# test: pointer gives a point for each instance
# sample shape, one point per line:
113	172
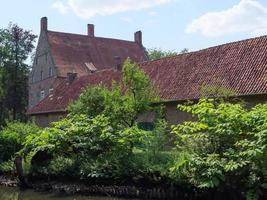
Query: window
42	75
46	58
50	72
42	94
51	90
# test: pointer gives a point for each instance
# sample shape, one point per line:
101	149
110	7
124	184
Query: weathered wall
175	116
44	120
172	114
43	76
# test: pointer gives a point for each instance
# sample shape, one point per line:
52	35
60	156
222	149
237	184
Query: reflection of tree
15	194
9	194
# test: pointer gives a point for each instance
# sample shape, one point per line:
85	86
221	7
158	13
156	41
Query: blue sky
166	24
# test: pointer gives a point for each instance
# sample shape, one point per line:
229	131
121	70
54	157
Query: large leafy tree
16	45
123	102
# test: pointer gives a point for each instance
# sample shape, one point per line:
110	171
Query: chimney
44	24
117	63
71	76
138	37
91	30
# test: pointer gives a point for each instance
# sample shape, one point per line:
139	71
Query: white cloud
60	6
90	8
247	16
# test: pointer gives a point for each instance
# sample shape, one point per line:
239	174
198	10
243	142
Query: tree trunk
19	169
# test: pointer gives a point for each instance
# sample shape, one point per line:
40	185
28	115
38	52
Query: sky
166	24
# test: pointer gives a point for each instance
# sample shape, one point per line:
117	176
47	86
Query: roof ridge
205	49
86	36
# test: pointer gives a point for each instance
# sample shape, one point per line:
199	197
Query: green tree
123	102
16	45
100	131
155	53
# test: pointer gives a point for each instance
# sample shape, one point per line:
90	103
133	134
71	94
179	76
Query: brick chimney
91	30
44	24
138	37
117	63
71	77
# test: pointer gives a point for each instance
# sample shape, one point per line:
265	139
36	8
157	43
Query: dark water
15	194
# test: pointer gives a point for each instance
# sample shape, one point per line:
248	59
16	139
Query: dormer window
90	66
51	90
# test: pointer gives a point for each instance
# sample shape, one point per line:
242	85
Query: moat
7	193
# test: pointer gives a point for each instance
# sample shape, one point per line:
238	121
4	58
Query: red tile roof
239	66
71	52
66	92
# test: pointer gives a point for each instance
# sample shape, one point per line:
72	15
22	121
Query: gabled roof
67	92
240	67
71	52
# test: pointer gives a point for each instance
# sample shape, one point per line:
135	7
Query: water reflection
16	194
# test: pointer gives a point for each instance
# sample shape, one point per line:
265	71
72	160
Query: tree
16	45
155	54
123	102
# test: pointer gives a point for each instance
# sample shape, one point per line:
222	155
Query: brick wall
44	75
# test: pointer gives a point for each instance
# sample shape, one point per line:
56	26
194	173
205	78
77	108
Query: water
15	194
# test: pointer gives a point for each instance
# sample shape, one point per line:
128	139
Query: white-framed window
50	72
42	94
51	90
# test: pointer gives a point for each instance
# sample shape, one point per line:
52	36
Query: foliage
7	167
16	45
62	166
155	54
123	102
100	130
226	147
12	138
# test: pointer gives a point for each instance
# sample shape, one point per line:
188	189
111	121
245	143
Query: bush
7	167
226	147
62	166
12	137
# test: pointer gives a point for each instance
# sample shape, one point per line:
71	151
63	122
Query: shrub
7	167
12	137
227	147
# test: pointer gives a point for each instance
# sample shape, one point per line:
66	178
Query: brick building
61	54
240	67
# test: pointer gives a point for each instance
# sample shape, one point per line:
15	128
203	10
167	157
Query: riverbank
78	188
8	181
